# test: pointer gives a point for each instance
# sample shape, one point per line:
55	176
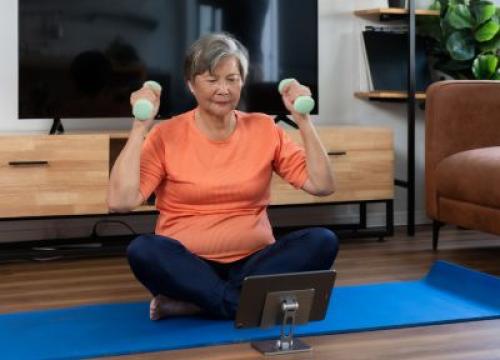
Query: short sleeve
289	160
152	163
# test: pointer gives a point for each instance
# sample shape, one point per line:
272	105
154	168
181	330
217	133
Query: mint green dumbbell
302	104
143	108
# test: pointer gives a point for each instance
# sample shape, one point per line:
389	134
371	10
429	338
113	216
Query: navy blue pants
164	266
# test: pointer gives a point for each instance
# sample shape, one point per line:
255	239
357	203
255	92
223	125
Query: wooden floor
42	285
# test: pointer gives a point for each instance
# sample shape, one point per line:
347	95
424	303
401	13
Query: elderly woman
211	169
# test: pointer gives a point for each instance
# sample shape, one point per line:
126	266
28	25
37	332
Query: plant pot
397	3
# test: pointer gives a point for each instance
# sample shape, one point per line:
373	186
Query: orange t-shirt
212	195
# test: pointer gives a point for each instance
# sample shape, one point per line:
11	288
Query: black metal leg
57	127
411	119
389	217
362	215
436	225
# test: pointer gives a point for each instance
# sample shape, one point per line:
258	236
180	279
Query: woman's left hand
290	92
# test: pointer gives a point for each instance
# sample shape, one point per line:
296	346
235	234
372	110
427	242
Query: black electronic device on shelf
386	54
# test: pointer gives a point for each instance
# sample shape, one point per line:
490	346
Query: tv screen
82	59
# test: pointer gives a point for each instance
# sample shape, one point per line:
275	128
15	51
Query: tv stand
67	176
286	120
57	127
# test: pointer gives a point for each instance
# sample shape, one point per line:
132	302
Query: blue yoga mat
449	293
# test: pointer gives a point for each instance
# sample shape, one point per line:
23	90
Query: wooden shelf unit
411	97
387	95
394	11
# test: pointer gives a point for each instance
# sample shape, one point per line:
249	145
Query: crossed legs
183	283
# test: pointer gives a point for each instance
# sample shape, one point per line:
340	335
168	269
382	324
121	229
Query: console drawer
42	175
363	162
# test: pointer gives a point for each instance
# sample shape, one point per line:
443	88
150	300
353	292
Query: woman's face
219	93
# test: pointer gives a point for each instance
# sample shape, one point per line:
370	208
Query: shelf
408	16
387	95
394	11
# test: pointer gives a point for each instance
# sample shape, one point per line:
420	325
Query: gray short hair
207	51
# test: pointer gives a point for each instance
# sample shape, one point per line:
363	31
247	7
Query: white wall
340	59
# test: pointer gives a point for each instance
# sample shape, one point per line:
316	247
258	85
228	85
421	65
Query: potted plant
465	38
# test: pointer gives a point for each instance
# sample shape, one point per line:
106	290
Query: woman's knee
144	248
325	242
137	249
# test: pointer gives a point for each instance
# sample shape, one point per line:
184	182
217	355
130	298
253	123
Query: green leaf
459	17
487	31
492	45
482	10
460	45
446	29
497	75
484	66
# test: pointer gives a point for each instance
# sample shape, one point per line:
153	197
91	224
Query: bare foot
162	306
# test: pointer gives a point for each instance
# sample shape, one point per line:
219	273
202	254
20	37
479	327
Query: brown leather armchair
462	155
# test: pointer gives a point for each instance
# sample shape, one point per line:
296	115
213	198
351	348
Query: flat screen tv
82	59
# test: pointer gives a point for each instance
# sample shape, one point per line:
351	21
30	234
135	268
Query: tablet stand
288	308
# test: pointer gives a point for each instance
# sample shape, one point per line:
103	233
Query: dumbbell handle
302	104
143	108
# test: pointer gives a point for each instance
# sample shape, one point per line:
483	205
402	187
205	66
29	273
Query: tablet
314	288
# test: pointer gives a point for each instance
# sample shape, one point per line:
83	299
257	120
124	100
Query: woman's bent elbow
119	205
123	200
115	207
326	191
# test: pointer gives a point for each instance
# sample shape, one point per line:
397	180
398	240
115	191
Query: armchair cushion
471	176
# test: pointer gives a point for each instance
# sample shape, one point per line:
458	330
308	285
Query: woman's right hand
148	93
